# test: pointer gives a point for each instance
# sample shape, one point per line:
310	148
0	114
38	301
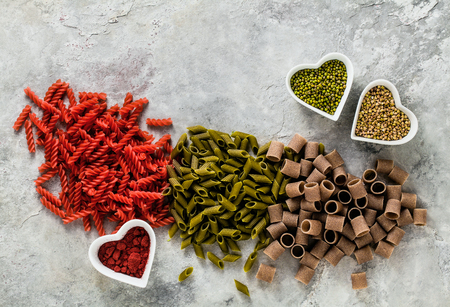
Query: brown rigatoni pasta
359	281
315	176
408	200
405	218
362	202
394	191
311	150
378	188
420	217
356	188
274	250
386	223
335	159
322	164
295	189
392	211
330	236
290	168
327	189
297	251
266	273
344	197
319	249
370	216
290	219
300	237
339	176
275	213
358	222
348	231
398	175
384	249
377	232
384	166
375	202
333	207
275	151
395	235
335	222
363	255
311	227
287	240
369	176
306	168
334	255
293	204
364	240
346	246
276	230
297	143
312	192
304	274
303	214
309	260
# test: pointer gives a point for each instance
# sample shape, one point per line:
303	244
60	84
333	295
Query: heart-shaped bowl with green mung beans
322	87
381	118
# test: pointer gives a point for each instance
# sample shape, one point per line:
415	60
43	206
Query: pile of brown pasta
330	213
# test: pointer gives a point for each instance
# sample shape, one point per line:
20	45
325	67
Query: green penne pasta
202	136
268	199
242	237
224	223
197	143
173	230
226	232
210	240
248	218
266	171
219	173
197	129
261	245
237	141
249	183
226	189
227	215
194	150
177	167
262	236
228	141
241	135
186	242
239	198
232	245
186	273
200	190
285	181
321	149
275	189
191	205
197	219
251	192
213	210
171	172
261	158
201	234
205	153
263	149
289	153
184	235
226	203
180	198
208	159
235	191
187	156
244	144
231	257
260	179
229	169
176	184
256	205
167	191
203	172
209	183
180	210
194	162
205	201
242	288
238	153
256	166
216	260
194	229
178	220
264	190
198	249
241	213
217	138
214	226
243	229
250	261
191	176
253	143
234	162
222	243
228	178
253	222
185	170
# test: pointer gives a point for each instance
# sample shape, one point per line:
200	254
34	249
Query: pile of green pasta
221	193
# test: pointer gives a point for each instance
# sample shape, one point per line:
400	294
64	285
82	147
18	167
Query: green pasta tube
248	218
253	143
213	159
252	184
244	144
226	203
217	138
242	228
191	205
241	135
219	154
231	258
176	184
222	243
230	169
171	172
219	173
234	162
227	215
178	220
321	149
187	156
210	240
241	213
224	223
210	183
184	235
259	227
228	178
201	234
187	184
179	209
167	191
196	220
177	167
289	153
191	176
214	226
185	170
185	274
264	190
238	153
263	179
237	141
250	261
226	232
246	170
198	249
266	171
285	181
253	222
268	199
228	141
261	245
251	192
202	136
256	205
242	288
205	153
242	237
235	191
194	229
263	149
213	210
173	230
194	162
203	172
194	150
256	166
180	198
233	245
239	198
186	242
204	201
197	129
197	143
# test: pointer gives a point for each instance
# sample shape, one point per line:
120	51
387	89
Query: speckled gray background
222	65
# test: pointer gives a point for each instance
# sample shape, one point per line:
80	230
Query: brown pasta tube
393	207
398	175
335	222
319	249
287	240
354	212
266	273
408	200
275	151
420	217
386	223
293	204
304	274
333	207
275	213
336	191
295	189
276	230
315	206
364	240
326	190
274	250
394	192
384	166
344	210
300	237
362	202
344	197
320	216
375	202
378	187
370	216
290	168
330	236
297	251
303	214
297	143
335	159
359	281
356	188
322	164
395	235
339	176
345	245
369	176
311	150
334	255
316	176
290	219
363	255
311	227
306	168
348	231
312	191
309	260
350	177
377	232
405	218
384	249
359	224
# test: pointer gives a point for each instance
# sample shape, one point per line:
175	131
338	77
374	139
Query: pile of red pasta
108	167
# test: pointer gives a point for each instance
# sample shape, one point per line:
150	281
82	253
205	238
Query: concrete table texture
223	65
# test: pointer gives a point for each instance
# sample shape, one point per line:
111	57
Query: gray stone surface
222	65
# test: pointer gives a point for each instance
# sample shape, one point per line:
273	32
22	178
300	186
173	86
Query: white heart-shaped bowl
398	105
328	57
95	246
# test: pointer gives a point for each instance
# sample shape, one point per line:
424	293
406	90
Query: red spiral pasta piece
22	117
52	207
121	198
30	139
75	216
41	126
158	122
147	195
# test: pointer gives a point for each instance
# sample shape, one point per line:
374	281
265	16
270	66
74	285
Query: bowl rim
95	246
330	56
412	117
